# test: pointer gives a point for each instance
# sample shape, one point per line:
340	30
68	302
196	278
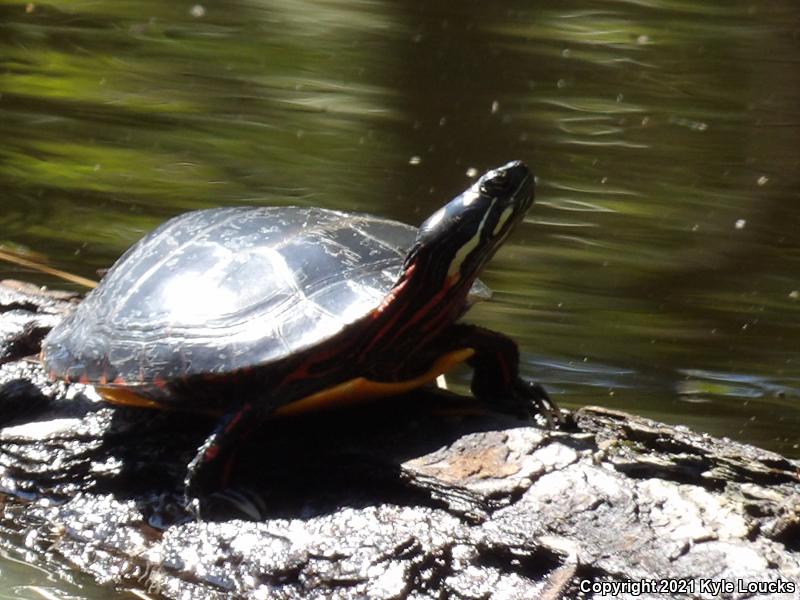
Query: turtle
254	312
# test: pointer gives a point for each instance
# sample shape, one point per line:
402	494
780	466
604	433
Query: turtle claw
240	503
537	402
192	506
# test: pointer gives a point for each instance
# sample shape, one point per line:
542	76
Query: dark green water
659	271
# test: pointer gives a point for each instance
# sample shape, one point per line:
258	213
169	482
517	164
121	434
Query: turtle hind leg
211	467
496	379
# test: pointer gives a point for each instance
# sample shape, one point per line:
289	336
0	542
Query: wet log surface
417	497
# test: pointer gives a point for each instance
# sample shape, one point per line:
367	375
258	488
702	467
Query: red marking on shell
303	370
118	380
103	379
84	379
320	361
53	375
160	382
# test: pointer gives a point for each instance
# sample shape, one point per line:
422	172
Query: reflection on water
659	270
21	581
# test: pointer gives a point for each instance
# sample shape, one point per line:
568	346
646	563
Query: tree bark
424	496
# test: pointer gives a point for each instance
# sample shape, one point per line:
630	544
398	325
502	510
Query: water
21	581
658	272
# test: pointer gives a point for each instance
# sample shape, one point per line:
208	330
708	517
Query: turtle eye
499	183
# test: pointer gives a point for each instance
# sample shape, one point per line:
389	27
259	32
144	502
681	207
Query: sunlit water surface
657	273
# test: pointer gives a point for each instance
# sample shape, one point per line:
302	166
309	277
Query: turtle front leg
496	379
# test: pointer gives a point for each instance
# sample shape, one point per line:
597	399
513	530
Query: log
424	496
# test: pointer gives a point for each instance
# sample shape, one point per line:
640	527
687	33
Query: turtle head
455	242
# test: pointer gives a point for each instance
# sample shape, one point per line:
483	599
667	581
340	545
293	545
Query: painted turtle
252	312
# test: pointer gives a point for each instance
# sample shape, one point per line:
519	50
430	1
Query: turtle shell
215	291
